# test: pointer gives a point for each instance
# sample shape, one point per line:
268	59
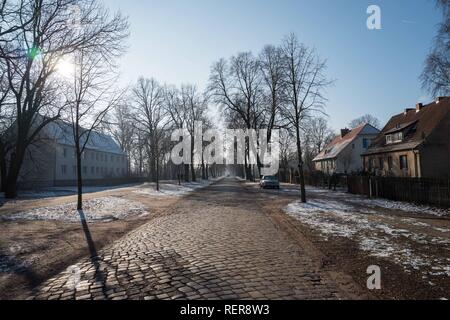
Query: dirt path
216	243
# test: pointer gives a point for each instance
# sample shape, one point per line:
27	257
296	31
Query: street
215	244
221	239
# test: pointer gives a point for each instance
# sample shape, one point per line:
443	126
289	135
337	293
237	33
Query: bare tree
47	38
271	63
320	133
436	74
120	125
236	87
89	98
366	119
149	116
195	108
305	82
7	118
175	108
9	11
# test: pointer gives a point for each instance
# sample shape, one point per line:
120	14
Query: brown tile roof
416	125
339	143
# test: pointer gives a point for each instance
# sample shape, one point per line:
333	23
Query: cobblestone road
215	244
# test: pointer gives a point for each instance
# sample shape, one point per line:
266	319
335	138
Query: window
96	156
366	143
390	164
84	170
372	164
74	170
381	163
64	152
112	158
394	138
64	169
97	170
92	170
403	162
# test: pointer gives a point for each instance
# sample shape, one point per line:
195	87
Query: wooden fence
422	191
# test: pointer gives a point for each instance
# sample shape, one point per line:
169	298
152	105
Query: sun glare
65	68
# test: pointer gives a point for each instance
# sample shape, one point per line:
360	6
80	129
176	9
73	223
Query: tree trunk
194	178
3	172
79	182
13	172
157	172
186	173
203	169
300	167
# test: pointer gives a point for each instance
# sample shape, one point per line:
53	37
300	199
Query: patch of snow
99	209
379	203
173	189
340	219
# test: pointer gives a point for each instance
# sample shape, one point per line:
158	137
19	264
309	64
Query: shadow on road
95	259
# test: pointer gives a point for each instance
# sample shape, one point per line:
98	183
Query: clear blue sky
377	71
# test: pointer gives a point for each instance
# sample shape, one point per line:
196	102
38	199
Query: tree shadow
95	259
10	264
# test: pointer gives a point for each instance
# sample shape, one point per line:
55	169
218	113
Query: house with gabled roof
343	153
414	143
51	160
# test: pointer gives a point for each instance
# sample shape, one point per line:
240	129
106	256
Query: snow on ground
376	203
173	189
376	234
100	209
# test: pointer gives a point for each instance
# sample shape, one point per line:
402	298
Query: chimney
419	107
439	99
407	110
344	132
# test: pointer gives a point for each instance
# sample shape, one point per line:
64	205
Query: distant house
415	143
343	154
51	160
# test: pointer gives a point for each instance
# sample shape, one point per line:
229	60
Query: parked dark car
269	182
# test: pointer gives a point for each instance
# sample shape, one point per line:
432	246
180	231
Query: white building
343	154
51	161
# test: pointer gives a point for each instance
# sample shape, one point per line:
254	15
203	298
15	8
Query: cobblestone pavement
215	244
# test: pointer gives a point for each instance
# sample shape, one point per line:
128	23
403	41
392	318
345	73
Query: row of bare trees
143	124
281	88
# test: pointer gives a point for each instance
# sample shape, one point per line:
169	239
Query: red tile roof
425	121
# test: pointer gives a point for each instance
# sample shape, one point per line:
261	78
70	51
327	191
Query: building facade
51	161
415	143
343	154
